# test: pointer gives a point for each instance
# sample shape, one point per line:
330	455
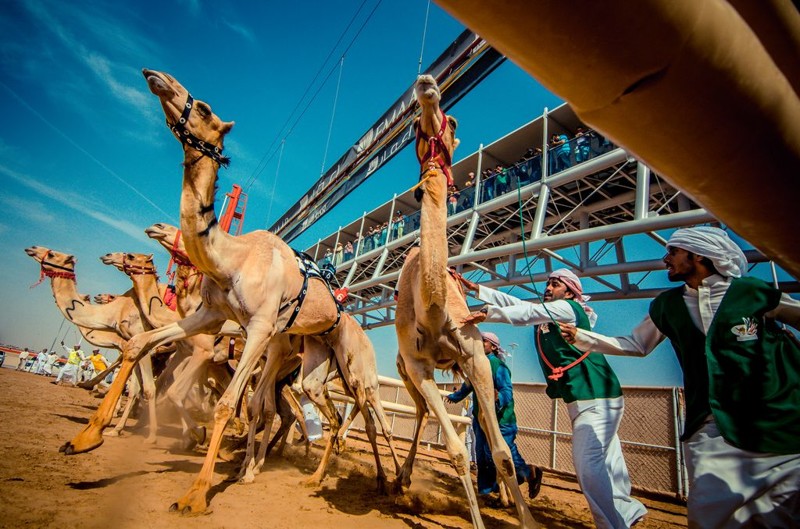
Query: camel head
102	299
427	91
52	261
166	234
130	263
191	120
436	133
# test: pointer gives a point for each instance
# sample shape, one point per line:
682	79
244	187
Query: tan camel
254	279
318	366
191	352
120	316
430	309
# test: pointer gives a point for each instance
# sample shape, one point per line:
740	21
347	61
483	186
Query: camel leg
403	479
316	364
134	390
179	390
247	473
202	321
149	396
352	352
288	416
259	333
422	377
479	372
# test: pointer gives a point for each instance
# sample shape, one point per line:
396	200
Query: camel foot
401	483
246	478
382	490
85	441
340	445
192	503
150	440
112	433
313	481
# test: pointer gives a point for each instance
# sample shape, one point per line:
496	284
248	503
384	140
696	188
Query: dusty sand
126	483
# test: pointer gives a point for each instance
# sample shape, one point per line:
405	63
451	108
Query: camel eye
50	254
129	256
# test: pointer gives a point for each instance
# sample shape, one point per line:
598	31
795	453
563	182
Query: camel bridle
187	138
438	153
136	270
66	273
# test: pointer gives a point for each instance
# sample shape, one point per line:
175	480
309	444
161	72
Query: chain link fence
648	432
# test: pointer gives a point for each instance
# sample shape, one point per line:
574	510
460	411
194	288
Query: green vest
591	379
745	372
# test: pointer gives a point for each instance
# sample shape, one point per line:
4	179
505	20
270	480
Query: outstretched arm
504	308
787	311
641	342
461	393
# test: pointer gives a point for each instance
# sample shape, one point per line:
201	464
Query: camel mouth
156	82
427	87
106	259
31	251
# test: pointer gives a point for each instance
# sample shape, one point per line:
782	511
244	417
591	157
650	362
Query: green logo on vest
746	331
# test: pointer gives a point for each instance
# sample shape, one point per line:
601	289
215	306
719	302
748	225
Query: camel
254	279
194	352
318	367
120	317
430	309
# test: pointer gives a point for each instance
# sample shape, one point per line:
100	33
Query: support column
642	191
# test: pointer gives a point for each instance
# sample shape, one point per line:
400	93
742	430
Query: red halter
438	155
43	272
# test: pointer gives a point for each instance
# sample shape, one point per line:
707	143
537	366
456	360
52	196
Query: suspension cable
333	115
275	181
424	33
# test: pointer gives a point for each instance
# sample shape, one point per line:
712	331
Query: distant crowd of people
73	368
563	153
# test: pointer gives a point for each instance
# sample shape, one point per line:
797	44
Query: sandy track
127	484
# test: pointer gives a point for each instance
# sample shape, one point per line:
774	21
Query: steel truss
600	217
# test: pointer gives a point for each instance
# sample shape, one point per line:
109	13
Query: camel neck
199	227
433	239
71	303
149	298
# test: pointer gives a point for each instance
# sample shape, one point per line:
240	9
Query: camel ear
456	143
416	122
227	126
150	257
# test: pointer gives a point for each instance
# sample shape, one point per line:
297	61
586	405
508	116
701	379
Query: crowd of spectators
563	153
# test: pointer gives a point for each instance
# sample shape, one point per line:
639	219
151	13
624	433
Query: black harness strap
309	269
187	138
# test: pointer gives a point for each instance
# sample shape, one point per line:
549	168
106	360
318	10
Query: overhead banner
463	65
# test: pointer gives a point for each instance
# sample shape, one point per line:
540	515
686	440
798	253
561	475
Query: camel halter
440	156
135	270
557	372
44	272
187	138
309	269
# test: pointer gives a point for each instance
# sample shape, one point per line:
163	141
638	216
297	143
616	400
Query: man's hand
62	342
447	400
568	332
469	286
475	318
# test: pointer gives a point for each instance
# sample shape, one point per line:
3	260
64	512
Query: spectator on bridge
507	419
327	258
583	145
500	180
338	255
741	378
587	384
452	199
559	153
348	251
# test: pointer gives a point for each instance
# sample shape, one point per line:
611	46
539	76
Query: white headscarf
713	243
573	283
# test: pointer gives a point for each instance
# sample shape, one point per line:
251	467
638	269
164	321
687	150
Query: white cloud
242	31
76	202
33	211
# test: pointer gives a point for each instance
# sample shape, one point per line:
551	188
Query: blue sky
86	161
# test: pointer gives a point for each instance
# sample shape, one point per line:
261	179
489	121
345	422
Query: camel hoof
173	507
187	510
382	486
312	482
151	440
201	437
63	448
